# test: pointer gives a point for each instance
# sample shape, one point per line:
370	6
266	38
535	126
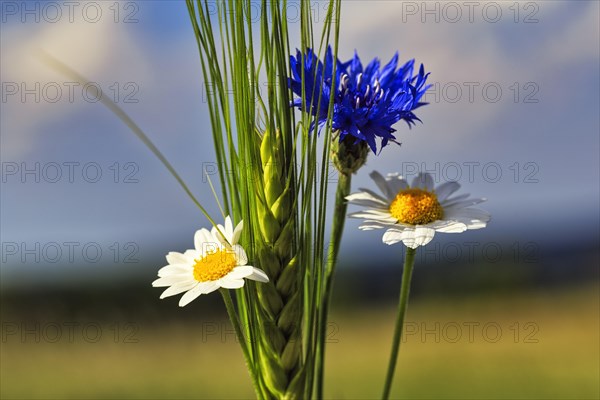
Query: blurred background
87	213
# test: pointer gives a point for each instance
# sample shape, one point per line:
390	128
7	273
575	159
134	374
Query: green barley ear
280	342
347	155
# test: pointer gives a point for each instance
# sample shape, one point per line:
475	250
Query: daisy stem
339	217
409	262
241	338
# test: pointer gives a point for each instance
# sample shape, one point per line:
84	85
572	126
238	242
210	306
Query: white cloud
479	51
94	49
576	42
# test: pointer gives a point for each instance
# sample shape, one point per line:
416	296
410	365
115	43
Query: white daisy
414	213
217	261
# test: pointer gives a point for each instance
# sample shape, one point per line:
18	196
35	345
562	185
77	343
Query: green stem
409	262
339	217
242	339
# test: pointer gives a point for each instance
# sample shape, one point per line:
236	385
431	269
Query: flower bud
349	154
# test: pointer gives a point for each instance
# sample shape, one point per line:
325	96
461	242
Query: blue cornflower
367	101
318	80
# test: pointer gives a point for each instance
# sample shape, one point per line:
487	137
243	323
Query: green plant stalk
409	262
241	338
284	207
339	218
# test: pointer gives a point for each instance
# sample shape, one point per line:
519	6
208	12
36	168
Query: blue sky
540	133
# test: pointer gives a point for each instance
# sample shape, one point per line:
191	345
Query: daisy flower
367	101
217	261
412	214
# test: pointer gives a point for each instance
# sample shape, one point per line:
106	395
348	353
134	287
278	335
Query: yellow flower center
214	265
416	207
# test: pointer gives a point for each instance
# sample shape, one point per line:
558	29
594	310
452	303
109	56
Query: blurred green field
534	344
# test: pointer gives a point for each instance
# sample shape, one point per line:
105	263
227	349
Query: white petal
384	220
423	181
371	217
472	213
201	237
367	195
190	295
176	258
210	246
208	287
192	256
370	204
220	233
374	195
448	226
455	199
424	235
370	225
420	236
396	224
473	218
172	280
240	254
174	269
382	185
396	183
476	224
392	236
446	189
374	216
382	212
230	283
179	288
462	203
241	272
228	228
258	275
237	232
